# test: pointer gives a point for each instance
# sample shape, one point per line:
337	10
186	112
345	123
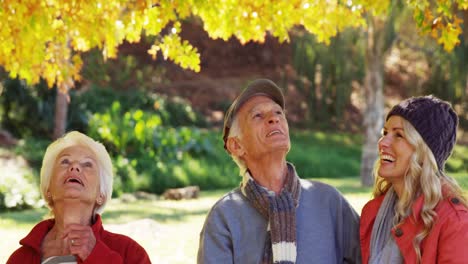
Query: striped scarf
280	212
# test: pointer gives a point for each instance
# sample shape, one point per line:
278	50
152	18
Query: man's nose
273	118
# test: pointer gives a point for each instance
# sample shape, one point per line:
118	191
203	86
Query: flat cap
258	87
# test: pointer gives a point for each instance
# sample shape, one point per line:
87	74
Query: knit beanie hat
435	121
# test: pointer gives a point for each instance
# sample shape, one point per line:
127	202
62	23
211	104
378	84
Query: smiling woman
418	214
76	183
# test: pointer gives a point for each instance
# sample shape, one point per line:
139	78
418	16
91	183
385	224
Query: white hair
235	131
75	138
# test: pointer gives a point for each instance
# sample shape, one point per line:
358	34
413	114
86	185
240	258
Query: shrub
172	111
25	110
18	188
148	155
32	149
458	161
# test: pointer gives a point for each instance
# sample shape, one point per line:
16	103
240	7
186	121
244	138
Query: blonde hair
104	162
422	178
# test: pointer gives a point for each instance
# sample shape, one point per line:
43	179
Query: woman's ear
100	200
49	198
234	146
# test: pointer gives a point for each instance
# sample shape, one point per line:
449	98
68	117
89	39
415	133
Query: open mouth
387	158
74	180
274	132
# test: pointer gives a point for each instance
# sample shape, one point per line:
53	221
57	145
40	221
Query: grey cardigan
327	229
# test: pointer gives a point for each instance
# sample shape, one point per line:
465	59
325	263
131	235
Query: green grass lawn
171	231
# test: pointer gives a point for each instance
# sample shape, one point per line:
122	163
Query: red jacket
446	243
110	247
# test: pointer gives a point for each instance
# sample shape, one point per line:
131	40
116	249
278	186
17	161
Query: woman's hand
81	240
54	247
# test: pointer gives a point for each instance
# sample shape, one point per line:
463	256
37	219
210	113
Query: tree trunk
61	112
373	94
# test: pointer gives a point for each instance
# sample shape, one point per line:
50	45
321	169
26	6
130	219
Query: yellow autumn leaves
45	38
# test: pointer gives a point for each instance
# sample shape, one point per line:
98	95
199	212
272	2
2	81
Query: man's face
264	128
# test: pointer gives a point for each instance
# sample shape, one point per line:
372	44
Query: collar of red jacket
37	234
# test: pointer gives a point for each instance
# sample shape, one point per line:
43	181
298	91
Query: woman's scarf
280	212
383	249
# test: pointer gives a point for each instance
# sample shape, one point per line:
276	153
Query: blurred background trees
161	122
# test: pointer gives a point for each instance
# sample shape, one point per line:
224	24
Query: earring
99	201
48	195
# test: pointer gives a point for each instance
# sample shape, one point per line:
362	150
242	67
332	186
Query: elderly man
274	216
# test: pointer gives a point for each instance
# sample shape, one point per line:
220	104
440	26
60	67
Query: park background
161	122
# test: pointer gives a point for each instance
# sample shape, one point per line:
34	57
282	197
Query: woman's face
75	175
394	151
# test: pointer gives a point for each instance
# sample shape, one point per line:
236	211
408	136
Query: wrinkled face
394	150
75	175
263	126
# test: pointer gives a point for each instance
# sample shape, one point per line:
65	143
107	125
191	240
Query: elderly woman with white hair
76	183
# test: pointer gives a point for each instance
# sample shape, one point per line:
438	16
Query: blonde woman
418	214
76	182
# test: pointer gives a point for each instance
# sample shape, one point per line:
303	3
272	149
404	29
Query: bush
32	149
18	188
26	110
458	161
19	183
148	155
172	111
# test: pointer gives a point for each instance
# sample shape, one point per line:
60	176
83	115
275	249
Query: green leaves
148	152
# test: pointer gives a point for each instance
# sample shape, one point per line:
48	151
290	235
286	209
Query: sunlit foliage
440	20
437	18
45	38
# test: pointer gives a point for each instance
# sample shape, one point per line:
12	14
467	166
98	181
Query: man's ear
234	146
